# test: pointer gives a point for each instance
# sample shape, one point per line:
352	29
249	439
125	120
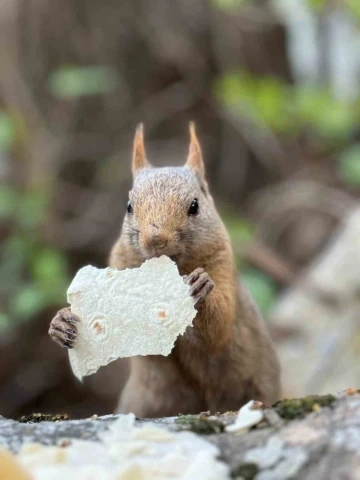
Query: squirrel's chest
196	363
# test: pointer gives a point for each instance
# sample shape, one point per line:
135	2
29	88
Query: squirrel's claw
63	328
200	284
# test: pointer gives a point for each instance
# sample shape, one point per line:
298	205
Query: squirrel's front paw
200	285
63	328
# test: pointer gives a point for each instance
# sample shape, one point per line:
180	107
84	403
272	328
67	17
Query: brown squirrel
227	357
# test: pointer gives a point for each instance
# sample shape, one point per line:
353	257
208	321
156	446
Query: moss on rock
246	471
200	424
290	409
41	417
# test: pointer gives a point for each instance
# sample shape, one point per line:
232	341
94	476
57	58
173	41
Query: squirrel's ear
195	160
139	160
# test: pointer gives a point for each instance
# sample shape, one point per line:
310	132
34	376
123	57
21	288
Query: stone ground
324	444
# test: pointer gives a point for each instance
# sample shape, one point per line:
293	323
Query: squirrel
227	358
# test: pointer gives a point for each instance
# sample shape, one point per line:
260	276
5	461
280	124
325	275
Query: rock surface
323	444
319	318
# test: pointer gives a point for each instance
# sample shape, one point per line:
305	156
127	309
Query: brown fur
227	357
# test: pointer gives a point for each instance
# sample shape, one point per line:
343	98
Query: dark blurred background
273	87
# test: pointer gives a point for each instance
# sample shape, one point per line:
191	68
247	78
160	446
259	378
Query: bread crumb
249	415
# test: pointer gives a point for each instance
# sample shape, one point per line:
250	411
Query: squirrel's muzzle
154	240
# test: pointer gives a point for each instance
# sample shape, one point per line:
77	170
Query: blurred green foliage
286	109
229	4
73	81
240	229
263	289
352	6
33	275
317	6
7	132
349	165
290	112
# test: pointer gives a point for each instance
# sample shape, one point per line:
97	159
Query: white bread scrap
248	416
124	313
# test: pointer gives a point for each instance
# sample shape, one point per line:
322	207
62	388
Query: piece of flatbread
124	313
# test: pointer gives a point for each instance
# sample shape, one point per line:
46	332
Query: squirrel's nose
157	241
161	242
155	238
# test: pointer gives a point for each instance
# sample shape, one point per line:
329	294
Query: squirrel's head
170	211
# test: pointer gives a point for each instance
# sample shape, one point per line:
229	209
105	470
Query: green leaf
349	165
9	200
4	320
17	246
239	229
27	302
71	81
288	109
7	132
354	7
16	251
261	287
11	271
317	4
317	108
263	99
49	270
229	5
32	209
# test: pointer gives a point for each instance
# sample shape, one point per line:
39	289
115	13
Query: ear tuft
195	160
139	155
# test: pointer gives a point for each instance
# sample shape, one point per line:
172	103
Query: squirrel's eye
194	207
129	207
